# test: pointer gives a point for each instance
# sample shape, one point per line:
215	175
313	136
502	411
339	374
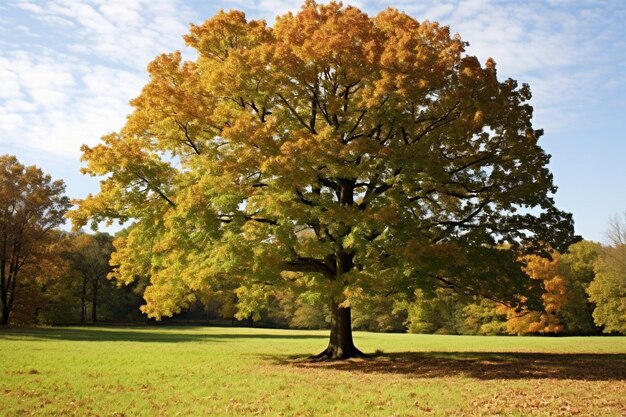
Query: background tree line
72	287
48	275
56	277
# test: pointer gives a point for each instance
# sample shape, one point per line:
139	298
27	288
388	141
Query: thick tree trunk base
336	353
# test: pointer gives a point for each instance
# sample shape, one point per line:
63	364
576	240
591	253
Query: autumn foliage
32	205
554	299
333	151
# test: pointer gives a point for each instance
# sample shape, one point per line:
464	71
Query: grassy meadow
196	371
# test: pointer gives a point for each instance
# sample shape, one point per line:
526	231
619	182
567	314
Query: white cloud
29	6
124	32
20	106
9	84
73	85
26	30
42	79
63	101
11	122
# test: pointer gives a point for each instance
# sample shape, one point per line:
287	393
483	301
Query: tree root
335	353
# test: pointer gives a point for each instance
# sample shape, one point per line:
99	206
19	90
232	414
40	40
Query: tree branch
156	190
189	141
440	121
308	265
295	113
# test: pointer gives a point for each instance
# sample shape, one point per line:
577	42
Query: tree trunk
83	304
5	312
340	345
4	287
94	300
8	298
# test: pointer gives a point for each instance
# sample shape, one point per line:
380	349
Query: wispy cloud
73	83
56	99
29	7
127	32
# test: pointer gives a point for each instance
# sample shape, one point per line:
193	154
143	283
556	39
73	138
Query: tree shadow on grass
479	365
135	334
101	335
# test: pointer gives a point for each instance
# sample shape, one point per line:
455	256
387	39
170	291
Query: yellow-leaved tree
334	151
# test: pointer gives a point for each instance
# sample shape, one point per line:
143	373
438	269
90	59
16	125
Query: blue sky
69	67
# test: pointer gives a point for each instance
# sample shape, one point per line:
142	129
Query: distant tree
295	307
31	207
484	317
440	313
363	153
119	303
576	266
309	316
608	288
89	257
378	313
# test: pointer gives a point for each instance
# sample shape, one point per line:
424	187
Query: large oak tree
344	153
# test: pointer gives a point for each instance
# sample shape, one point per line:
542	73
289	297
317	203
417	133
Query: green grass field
189	371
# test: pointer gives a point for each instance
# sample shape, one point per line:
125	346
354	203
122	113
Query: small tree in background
89	258
577	267
31	207
608	288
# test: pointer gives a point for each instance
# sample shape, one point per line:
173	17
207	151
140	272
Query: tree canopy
336	151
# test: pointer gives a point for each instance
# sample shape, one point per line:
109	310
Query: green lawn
170	371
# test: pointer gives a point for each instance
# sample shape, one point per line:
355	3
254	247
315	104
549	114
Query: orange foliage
555	299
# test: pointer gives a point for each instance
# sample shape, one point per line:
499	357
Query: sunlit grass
148	371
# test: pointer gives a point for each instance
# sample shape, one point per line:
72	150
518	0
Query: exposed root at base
334	353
